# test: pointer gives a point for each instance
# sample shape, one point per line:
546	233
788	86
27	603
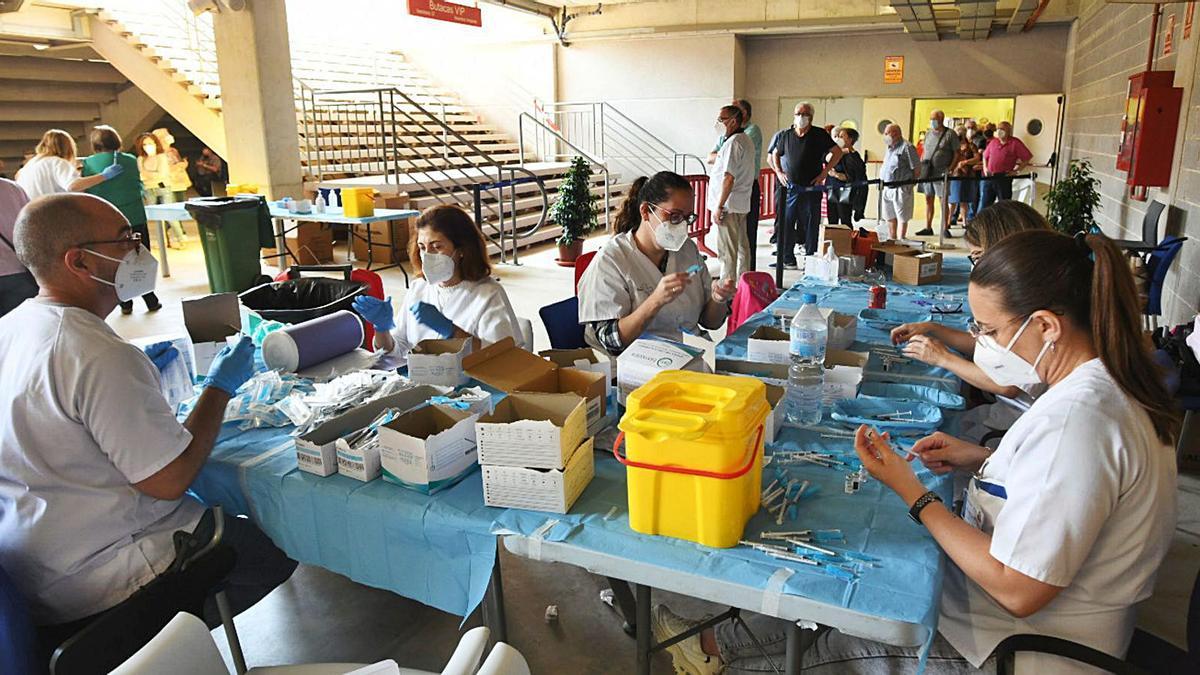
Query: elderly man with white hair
900	163
938	153
798	156
94	466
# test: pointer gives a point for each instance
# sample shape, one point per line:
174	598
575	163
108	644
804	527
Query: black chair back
120	632
1150	223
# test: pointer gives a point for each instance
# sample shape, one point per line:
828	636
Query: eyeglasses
131	239
974	257
677	218
947	308
978	331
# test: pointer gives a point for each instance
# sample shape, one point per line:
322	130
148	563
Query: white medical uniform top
479	307
1080	494
621	277
736	158
84	419
46	175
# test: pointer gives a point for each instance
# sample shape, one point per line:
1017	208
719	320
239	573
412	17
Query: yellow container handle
721	475
662	422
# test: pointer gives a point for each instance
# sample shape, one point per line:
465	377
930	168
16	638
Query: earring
1053	343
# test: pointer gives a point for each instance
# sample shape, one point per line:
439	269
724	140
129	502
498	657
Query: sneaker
152	303
127	307
927	232
686	656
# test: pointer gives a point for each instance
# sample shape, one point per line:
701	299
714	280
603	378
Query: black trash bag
298	300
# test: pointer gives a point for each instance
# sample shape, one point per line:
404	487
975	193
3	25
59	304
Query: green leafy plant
1071	204
574	207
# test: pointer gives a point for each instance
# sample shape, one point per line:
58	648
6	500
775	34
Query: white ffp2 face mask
802	121
436	267
670	237
136	275
1004	366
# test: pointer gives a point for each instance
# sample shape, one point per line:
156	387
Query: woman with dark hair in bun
649	278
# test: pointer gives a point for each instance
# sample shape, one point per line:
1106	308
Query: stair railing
399	137
627	147
549	145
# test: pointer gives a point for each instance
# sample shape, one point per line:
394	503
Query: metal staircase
600	130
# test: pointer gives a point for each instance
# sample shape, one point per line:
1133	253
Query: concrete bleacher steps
174	57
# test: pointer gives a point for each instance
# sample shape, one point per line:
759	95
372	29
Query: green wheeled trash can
230	234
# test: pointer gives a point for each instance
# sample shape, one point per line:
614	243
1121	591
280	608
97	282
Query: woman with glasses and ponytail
649	278
1064	526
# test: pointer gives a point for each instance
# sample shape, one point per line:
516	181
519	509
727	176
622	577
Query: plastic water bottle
806	376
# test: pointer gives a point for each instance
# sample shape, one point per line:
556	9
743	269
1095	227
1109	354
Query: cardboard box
316	451
770	373
916	269
769	344
553	490
428	449
361	463
843	329
210	320
646	357
842	239
440	361
389	242
532	430
777	398
510	369
843	374
311	243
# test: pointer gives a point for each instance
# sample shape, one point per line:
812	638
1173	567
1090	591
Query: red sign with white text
446	11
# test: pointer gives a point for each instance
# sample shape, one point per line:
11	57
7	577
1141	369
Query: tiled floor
321	616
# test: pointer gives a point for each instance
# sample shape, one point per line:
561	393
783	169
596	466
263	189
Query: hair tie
1081	244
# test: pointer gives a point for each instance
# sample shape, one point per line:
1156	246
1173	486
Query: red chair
755	290
581	264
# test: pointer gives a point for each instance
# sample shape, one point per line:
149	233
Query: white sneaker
687	656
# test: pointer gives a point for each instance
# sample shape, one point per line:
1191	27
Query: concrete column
255	64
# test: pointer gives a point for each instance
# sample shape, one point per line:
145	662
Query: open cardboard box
440	361
769	344
776	395
210	320
316	451
553	490
842	239
429	448
532	430
510	369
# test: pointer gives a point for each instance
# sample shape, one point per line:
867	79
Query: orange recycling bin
694	453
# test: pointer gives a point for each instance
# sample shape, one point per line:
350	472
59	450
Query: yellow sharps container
694	451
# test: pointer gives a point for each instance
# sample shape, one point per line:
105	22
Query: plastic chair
581	265
185	647
1157	265
1149	231
17	641
562	324
755	290
504	660
1147	653
526	333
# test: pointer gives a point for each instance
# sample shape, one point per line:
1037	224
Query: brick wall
1110	43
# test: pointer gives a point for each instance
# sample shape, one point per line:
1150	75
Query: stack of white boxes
534	452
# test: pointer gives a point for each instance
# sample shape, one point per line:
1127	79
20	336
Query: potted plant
1071	203
574	210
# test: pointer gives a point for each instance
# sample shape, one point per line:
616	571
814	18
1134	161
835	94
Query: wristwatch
919	505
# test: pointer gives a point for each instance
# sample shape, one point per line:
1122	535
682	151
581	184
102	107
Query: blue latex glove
112	171
232	367
429	316
162	354
378	312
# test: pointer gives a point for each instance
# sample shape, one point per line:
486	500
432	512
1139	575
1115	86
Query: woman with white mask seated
649	278
455	296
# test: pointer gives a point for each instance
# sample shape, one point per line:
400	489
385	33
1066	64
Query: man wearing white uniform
900	163
730	181
649	278
93	464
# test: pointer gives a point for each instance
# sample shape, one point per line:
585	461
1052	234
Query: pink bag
755	290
